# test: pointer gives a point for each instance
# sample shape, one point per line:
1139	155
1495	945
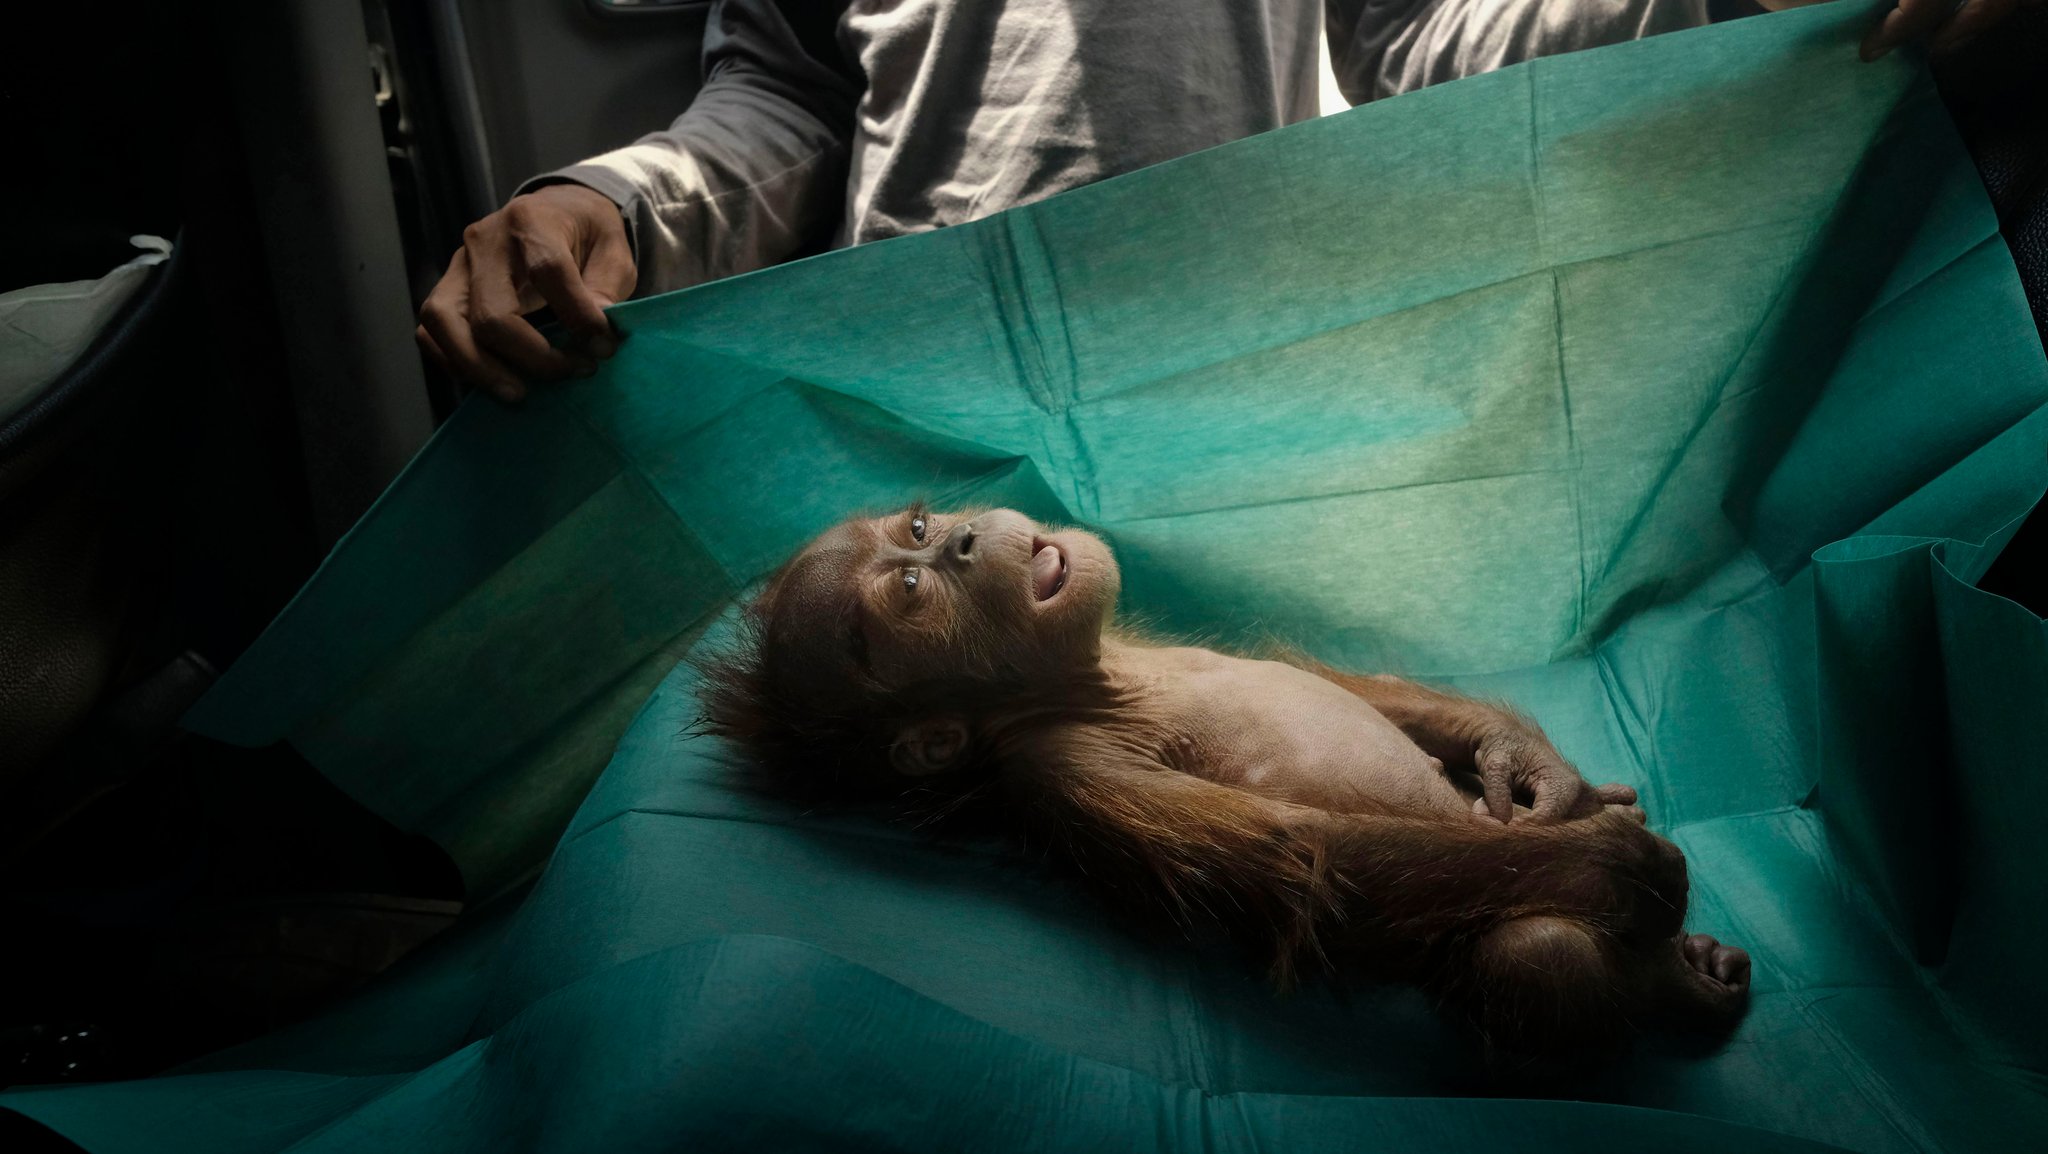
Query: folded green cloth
1677	392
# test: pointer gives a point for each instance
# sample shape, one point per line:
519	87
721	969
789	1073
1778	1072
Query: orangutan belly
1283	732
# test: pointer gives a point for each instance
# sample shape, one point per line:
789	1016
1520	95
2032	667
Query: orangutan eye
917	531
910	579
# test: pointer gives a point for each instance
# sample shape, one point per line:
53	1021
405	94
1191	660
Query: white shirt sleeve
754	172
1381	48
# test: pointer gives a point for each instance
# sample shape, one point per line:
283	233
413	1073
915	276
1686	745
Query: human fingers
609	269
581	311
445	319
611	275
432	351
496	273
574	246
1969	21
1911	20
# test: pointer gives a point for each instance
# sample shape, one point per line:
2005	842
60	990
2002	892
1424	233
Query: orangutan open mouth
1048	569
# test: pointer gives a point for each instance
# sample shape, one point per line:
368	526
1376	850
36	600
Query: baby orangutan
1365	824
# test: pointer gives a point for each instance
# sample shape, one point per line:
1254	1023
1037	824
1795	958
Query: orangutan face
927	603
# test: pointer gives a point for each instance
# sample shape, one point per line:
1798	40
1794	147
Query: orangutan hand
1516	759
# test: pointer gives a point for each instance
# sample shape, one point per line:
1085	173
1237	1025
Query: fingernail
511	394
583	366
604	346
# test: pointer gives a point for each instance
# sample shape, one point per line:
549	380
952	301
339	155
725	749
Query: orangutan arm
1512	758
1290	876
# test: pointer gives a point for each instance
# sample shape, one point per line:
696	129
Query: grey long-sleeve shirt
829	121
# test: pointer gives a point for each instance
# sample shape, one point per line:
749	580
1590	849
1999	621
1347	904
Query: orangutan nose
960	542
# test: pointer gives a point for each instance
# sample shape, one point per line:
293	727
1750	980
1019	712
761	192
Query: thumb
1497	781
1615	793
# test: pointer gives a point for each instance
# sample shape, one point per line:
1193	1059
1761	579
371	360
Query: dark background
163	896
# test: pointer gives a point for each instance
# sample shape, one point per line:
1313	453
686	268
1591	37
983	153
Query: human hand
1516	759
563	246
1943	24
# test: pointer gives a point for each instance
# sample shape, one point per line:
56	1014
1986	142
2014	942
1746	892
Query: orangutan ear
923	748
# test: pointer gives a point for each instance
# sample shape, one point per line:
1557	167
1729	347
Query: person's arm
1381	48
1944	25
755	170
751	174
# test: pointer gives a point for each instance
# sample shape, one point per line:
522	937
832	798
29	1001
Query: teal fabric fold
1678	393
